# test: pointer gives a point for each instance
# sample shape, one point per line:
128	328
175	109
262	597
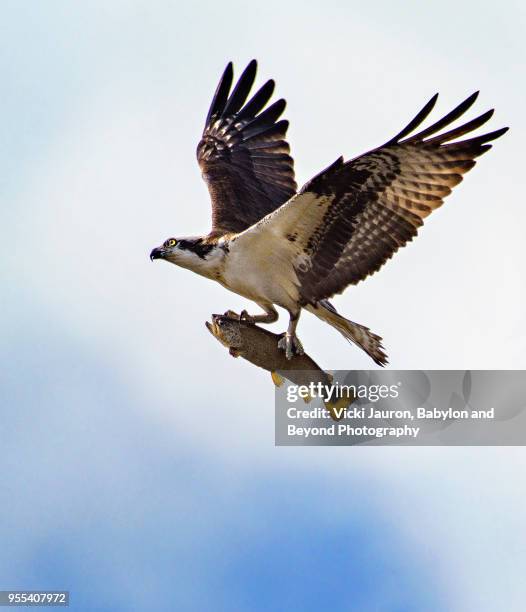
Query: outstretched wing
243	154
351	218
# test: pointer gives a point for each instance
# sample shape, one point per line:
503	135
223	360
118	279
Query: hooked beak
157	253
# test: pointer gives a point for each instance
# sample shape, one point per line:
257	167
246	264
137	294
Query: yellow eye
170	243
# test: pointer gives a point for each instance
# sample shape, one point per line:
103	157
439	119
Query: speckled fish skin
260	347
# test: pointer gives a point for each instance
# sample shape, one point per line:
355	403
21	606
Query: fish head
228	331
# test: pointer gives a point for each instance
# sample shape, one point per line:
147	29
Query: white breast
260	274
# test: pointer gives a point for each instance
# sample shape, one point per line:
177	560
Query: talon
244	316
291	345
298	346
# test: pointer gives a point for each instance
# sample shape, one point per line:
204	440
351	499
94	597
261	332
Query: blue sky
137	467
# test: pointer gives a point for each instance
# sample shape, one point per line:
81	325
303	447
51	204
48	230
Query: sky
137	466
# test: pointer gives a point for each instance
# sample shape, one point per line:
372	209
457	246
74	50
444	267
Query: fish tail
336	407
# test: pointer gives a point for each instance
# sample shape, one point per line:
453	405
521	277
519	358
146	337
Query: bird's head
194	253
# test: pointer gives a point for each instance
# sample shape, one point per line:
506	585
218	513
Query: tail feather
354	332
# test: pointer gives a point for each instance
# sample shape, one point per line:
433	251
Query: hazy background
137	459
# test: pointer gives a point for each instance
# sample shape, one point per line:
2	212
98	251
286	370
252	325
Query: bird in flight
275	245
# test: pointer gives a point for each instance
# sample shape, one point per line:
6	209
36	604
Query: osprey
278	246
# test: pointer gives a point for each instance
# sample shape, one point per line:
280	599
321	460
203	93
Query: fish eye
171	242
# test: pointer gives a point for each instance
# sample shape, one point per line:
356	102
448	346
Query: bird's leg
290	342
270	315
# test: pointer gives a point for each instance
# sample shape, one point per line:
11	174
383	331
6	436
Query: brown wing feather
378	201
243	154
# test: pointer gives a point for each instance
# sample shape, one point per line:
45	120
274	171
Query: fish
260	347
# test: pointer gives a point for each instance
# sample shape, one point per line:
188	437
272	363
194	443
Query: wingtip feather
242	88
416	121
453	115
221	93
